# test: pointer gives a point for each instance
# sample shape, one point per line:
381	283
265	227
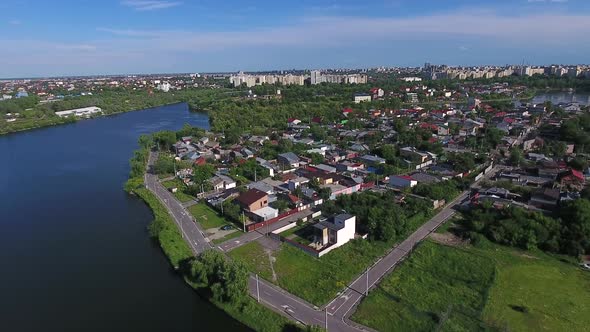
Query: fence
259	225
284	228
308	250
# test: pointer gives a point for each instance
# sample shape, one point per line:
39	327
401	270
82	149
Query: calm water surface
563	97
75	251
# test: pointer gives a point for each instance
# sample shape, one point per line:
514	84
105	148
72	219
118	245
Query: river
76	255
562	97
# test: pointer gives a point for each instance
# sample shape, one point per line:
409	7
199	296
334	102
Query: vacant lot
318	280
206	216
538	293
469	289
315	280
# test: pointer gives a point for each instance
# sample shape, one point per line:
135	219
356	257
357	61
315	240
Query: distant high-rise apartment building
316	77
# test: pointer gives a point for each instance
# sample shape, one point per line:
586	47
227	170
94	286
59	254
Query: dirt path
448	239
271	261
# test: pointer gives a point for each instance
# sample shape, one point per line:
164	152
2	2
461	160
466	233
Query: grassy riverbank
165	231
54	120
34	114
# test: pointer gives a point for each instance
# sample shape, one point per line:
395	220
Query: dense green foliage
568	232
165	230
227	280
577	131
446	190
377	214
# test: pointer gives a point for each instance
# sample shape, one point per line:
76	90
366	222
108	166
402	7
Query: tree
316	158
281	205
318	132
516	156
164	166
228	280
388	152
580	163
165	139
575	217
462	162
146	141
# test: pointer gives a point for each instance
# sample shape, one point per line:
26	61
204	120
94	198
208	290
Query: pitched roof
290	156
251	196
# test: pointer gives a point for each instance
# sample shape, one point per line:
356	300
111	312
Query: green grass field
206	216
470	289
296	271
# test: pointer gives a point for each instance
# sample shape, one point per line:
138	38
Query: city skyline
141	36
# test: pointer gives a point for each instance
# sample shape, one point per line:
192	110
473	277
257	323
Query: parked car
585	266
226	227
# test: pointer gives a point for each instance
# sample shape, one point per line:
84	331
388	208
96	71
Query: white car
585	266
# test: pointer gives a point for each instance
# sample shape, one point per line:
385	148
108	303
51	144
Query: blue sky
59	37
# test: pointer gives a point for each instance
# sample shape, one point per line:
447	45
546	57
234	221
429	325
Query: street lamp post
257	289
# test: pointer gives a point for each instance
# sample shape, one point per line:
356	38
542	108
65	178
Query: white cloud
146	5
554	29
477	36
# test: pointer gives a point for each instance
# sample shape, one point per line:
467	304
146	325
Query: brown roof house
255	205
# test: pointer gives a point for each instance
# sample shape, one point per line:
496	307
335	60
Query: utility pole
244	221
326	310
174	159
257	289
367	292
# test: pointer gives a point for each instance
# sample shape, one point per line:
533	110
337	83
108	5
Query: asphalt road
189	229
342	305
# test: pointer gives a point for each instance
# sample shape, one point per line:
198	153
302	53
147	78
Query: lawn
206	216
179	194
296	270
479	288
253	254
555	295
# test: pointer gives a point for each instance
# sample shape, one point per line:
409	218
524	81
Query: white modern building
80	112
335	232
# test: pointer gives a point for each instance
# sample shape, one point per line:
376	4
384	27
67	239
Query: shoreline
65	121
251	314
